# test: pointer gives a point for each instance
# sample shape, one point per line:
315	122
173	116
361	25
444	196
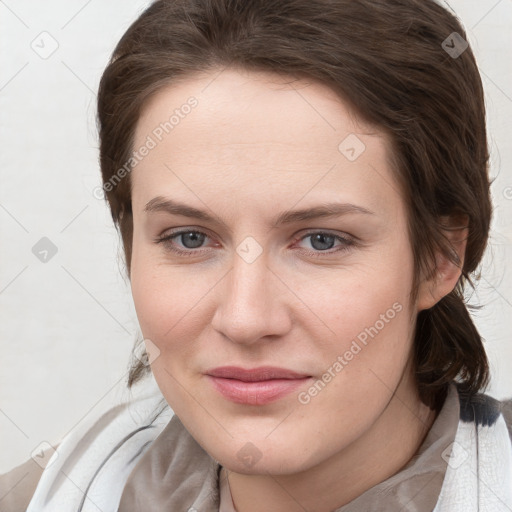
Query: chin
264	458
271	466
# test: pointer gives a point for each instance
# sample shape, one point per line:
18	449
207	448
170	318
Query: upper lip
255	374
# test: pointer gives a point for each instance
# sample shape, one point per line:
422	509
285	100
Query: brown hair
390	60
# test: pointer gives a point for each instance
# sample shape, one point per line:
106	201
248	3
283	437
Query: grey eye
191	239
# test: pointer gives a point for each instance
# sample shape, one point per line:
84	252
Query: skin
255	146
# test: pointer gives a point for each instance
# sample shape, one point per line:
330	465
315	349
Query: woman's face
258	284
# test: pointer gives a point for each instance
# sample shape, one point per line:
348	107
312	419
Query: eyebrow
162	204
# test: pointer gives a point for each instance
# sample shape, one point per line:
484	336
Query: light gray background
68	325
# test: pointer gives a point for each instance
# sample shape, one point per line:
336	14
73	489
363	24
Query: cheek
168	310
370	328
363	362
372	343
363	301
171	303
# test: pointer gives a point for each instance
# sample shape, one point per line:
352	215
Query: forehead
246	107
252	130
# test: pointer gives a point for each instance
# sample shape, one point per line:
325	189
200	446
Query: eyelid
330	232
184	229
348	241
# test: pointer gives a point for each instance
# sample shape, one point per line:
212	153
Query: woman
302	192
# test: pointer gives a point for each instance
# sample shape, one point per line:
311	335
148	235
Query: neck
376	455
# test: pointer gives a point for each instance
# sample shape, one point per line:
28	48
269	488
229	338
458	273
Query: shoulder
506	411
19	484
101	446
485	410
479	460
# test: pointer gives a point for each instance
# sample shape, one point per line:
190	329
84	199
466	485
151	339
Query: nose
252	303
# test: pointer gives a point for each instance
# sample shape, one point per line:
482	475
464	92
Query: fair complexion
252	148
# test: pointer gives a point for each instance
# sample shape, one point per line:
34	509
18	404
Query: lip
262	373
257	386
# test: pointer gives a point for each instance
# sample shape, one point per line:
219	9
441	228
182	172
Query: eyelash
167	241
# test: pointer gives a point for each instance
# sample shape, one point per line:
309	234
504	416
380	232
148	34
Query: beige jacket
18	485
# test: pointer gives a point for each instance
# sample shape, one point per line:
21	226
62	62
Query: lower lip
255	393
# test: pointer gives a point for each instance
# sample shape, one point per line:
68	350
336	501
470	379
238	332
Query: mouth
257	386
261	373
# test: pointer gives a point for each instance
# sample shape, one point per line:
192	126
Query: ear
446	274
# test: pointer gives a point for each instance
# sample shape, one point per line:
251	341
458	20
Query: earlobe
447	273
